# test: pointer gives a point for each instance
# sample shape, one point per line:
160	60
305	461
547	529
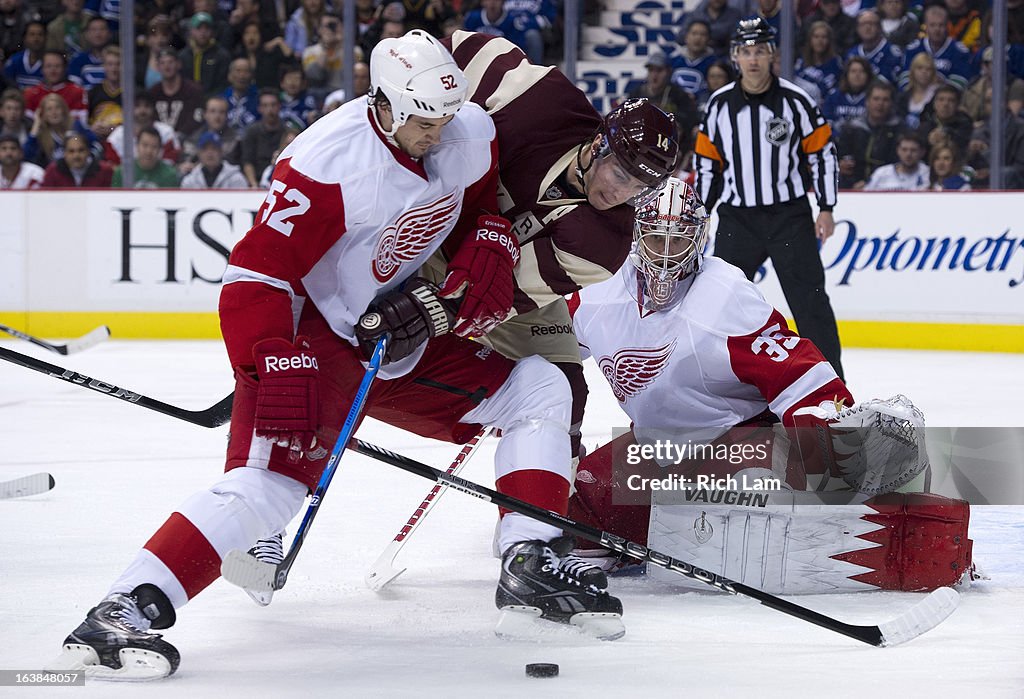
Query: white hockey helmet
669	237
418	76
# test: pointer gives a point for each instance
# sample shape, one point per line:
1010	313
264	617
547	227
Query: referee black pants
746	237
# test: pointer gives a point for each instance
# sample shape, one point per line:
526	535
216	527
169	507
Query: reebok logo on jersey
563	329
631	370
302	361
412	234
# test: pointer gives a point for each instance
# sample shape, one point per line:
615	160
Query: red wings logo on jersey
631	370
414	231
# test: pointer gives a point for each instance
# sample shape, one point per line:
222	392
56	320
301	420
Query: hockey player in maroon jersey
357	204
696	356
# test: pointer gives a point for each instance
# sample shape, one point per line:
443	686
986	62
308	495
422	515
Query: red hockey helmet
644	138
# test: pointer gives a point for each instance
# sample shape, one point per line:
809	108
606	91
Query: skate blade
517	622
137	665
261	597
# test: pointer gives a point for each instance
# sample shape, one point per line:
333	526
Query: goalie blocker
787	541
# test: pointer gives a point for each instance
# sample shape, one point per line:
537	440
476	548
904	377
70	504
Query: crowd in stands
223	85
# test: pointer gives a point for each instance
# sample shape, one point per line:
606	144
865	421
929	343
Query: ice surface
120	470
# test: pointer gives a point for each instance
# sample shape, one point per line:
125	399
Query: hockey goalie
747	454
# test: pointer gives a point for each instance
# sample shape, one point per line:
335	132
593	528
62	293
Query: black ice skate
114	642
588	571
269	550
532	586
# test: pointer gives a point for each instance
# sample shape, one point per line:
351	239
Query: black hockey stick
920	618
214	416
93	337
250	573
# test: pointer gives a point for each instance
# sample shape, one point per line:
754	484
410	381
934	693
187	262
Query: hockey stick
383	570
214	416
26	485
920	618
247	571
93	337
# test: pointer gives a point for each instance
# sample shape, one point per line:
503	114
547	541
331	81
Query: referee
763	144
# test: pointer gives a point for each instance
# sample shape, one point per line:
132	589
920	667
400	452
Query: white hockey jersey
719	357
349	217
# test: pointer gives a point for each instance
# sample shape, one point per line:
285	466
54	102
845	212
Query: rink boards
914	270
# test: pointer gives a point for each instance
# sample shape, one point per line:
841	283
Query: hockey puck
542	670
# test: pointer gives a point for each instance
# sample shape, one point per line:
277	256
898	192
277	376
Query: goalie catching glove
875	446
411	316
287	394
481	273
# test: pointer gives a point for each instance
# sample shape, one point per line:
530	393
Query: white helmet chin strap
389	134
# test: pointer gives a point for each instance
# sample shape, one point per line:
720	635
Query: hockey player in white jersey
706	369
357	203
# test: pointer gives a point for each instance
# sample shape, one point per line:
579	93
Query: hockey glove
481	272
287	396
411	315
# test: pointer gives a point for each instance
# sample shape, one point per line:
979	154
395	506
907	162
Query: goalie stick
214	416
922	617
26	485
383	570
93	337
248	572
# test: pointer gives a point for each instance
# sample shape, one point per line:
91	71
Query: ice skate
114	642
532	588
269	550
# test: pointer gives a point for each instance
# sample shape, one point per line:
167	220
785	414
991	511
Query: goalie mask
669	237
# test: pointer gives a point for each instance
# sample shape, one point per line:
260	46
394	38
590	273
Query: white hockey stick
93	337
26	485
383	570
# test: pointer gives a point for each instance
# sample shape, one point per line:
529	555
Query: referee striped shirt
764	149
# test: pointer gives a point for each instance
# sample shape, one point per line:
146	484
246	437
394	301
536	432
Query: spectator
366	15
25	68
86	66
223	34
869	142
323	62
51	126
848	101
690	66
205	61
78	167
105	108
248	12
946	170
975	103
158	38
943	119
952	59
721	19
12	115
886	60
55	82
298	107
360	79
178	102
302	27
268	172
389	17
266	57
65	31
261	139
15	173
979	155
964	24
844	28
214	172
669	97
144	117
492	18
922	82
908	173
14	21
429	16
242	95
151	172
215	121
720	74
439	14
898	26
818	63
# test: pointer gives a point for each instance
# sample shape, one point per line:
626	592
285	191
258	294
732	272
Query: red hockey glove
412	315
481	272
287	397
